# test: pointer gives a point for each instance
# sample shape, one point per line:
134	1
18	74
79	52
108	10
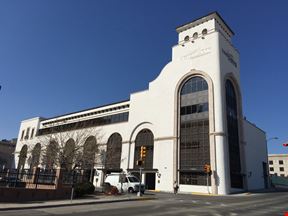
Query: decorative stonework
196	53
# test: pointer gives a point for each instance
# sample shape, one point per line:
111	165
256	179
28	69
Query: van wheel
130	190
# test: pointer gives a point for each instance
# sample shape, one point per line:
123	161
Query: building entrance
150	181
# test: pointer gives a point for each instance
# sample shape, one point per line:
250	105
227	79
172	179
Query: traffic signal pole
207	180
140	180
140	164
207	170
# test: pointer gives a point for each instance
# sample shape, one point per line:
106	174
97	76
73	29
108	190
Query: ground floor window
194	178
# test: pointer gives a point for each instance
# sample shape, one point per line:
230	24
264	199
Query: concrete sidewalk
93	199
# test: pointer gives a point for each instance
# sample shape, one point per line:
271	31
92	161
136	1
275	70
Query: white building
190	115
278	164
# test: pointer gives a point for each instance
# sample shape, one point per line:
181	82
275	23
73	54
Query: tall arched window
22	157
194	132
89	151
36	155
51	153
233	136
68	154
144	138
113	153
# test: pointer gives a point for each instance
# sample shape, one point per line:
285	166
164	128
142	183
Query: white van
124	183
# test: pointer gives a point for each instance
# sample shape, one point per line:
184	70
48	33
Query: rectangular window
27	133
32	133
280	161
196	108
270	162
271	169
281	169
121	117
22	135
194	178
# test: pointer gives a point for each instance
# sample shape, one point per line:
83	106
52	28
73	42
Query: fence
279	181
42	178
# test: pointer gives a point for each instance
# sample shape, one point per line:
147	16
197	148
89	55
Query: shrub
84	188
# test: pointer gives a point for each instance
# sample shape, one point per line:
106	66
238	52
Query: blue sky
58	57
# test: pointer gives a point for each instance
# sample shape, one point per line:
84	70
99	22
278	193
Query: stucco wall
256	153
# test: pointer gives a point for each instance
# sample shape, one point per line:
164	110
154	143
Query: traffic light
139	162
143	152
207	168
285	144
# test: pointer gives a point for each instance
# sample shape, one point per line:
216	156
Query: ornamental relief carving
196	53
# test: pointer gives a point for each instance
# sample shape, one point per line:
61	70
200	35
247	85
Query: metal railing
42	178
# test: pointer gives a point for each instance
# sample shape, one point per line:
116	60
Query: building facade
7	148
278	164
190	115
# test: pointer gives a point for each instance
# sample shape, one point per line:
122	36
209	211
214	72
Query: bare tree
68	148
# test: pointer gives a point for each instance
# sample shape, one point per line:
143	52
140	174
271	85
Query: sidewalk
93	199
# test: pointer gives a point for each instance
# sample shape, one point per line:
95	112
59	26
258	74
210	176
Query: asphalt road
181	205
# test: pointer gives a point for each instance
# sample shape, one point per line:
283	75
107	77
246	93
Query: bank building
189	117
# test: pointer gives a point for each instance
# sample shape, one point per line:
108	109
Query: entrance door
150	181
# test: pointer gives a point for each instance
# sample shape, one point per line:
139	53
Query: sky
63	56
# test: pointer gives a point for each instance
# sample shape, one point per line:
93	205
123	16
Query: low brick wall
26	194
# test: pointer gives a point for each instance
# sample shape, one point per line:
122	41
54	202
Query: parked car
124	183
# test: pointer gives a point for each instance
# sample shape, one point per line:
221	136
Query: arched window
113	153
36	152
195	84
233	136
194	144
22	157
51	153
68	154
89	151
144	138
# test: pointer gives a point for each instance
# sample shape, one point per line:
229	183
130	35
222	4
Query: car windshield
133	179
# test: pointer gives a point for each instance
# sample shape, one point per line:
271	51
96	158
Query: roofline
252	124
277	155
214	12
97	107
34	118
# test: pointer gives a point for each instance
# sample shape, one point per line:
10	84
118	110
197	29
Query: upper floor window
281	169
281	162
27	133
22	135
204	32
194	84
32	133
271	162
186	38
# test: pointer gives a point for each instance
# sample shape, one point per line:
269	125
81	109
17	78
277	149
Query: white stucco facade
208	55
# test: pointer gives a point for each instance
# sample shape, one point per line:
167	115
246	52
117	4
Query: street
182	204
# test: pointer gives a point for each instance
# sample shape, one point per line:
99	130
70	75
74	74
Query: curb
76	204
